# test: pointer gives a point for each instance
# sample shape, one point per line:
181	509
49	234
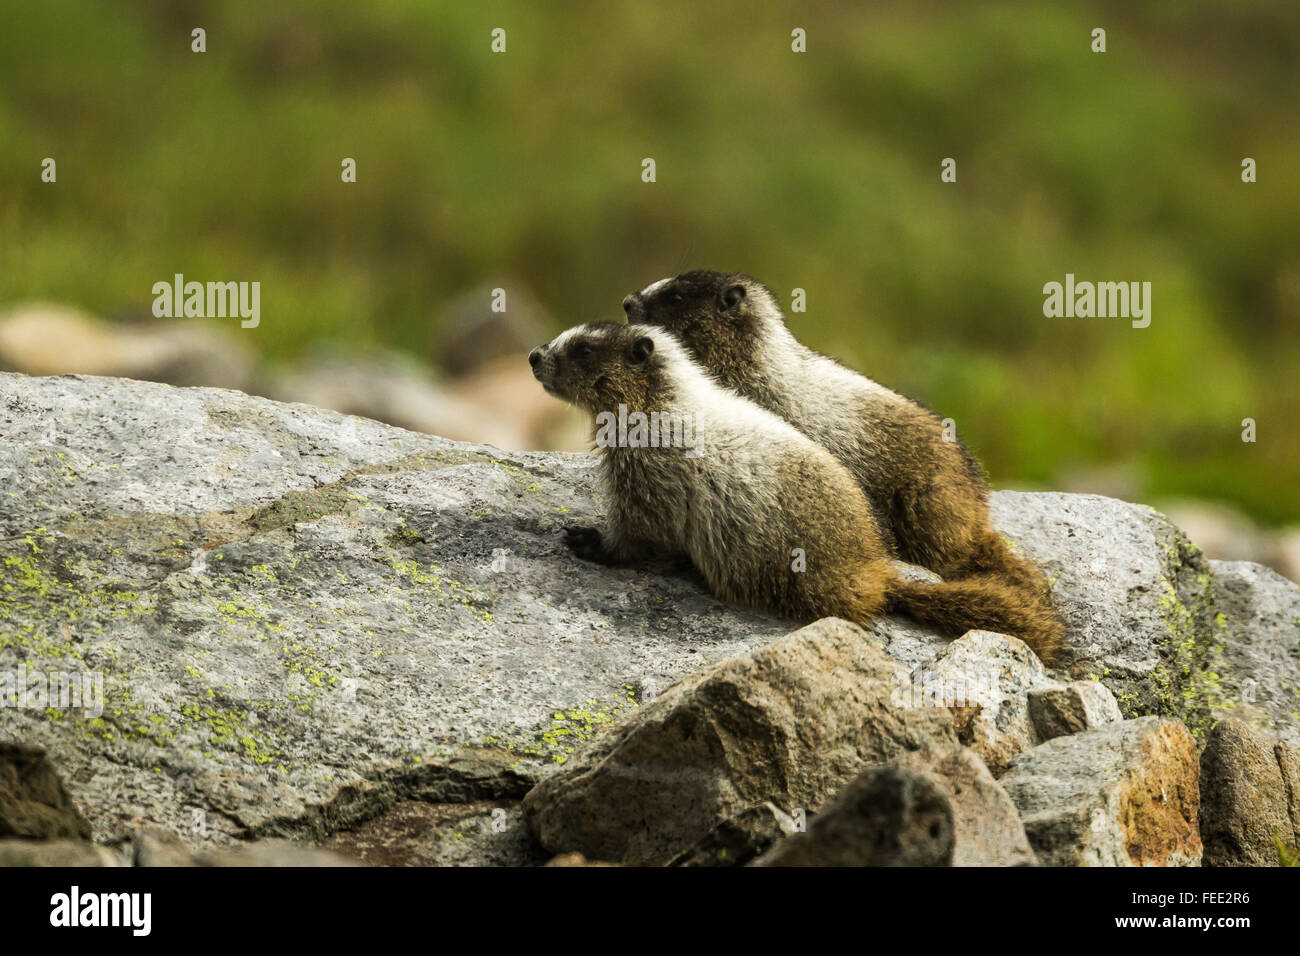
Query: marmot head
599	365
719	317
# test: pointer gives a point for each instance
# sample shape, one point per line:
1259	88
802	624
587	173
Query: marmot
696	468
929	492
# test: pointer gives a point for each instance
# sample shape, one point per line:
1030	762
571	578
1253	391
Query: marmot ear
733	297
641	349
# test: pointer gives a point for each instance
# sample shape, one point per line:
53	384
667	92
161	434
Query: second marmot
928	491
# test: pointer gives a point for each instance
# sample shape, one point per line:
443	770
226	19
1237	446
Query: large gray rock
1137	598
302	620
318	627
1250	796
1260	659
791	723
1124	794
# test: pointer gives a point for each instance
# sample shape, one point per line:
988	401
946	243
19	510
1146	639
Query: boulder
1071	709
986	825
1250	796
1135	594
790	723
936	806
316	627
1258	666
985	680
302	621
887	816
1124	794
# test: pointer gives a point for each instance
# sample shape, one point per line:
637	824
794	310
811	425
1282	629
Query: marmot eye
676	297
583	349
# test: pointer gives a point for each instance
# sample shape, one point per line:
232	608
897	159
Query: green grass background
818	171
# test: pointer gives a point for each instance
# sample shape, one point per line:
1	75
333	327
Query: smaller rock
1249	780
33	801
1076	707
1123	794
888	816
791	722
739	839
986	825
985	680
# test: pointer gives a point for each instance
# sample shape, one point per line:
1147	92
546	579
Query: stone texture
1250	796
986	825
985	679
318	627
739	839
1136	597
1124	794
1260	647
302	619
887	816
790	723
1072	709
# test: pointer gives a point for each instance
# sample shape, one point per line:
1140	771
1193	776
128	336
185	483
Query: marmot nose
632	304
535	356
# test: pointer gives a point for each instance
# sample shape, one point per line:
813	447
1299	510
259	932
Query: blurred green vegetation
818	171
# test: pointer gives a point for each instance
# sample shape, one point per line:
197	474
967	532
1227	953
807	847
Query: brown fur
756	490
931	495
